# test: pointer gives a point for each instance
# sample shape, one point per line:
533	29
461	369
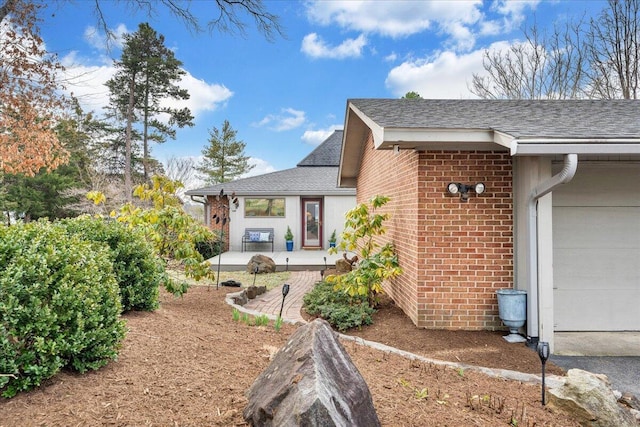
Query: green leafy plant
261	320
235	315
172	232
421	394
288	236
277	325
333	238
377	263
245	319
138	272
339	309
59	305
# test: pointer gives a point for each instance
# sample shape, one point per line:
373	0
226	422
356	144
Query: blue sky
285	97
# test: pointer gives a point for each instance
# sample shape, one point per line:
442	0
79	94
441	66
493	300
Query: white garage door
596	244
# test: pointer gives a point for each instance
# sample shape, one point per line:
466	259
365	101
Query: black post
285	291
219	258
287	266
255	273
543	353
325	263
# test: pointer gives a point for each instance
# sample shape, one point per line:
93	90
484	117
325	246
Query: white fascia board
376	130
437	139
582	147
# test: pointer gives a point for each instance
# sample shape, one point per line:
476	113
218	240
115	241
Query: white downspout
564	176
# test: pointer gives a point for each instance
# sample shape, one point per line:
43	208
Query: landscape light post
285	291
543	353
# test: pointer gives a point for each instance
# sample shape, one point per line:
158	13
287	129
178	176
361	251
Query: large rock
343	266
263	263
590	400
311	382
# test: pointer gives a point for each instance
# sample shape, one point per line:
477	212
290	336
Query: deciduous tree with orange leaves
29	98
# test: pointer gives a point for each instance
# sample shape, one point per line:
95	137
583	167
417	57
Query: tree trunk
128	187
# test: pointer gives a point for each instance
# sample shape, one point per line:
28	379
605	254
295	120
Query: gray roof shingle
316	174
327	153
519	118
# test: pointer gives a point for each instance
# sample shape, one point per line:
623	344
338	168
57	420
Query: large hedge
59	305
138	271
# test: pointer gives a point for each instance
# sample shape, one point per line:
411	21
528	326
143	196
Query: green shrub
208	248
337	307
59	305
138	271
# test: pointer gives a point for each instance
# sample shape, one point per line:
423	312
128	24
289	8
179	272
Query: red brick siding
455	254
218	207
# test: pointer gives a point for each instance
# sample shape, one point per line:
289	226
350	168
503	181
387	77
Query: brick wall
219	207
455	254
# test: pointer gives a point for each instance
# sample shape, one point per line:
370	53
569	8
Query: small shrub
262	320
138	271
235	315
338	308
278	324
59	305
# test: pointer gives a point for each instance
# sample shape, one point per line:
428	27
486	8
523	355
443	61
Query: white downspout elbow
562	177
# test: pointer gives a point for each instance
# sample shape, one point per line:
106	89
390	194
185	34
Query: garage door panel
596	227
597	269
597	310
596	249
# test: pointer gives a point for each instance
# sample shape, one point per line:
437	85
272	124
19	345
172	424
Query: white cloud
261	167
287	119
315	47
441	76
316	137
460	22
399	19
87	82
99	40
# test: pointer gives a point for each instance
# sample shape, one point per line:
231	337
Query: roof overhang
358	126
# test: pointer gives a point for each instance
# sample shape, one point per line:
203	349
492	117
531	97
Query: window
263	207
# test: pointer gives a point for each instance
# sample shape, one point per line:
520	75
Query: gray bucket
512	309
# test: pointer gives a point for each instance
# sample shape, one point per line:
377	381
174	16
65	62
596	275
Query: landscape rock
261	289
342	266
263	263
311	382
240	298
231	283
588	398
252	292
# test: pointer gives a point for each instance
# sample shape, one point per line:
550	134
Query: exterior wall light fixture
463	189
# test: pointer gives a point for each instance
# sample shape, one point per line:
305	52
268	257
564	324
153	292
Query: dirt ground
189	364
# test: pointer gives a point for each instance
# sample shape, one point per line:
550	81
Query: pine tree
224	158
148	73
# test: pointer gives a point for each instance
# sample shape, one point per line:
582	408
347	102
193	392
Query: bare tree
613	49
226	16
598	59
540	67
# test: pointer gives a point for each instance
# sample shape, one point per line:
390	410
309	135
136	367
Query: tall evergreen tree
148	73
224	158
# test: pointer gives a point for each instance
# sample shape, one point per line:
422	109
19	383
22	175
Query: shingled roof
315	175
518	118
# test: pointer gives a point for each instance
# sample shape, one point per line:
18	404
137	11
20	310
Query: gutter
533	307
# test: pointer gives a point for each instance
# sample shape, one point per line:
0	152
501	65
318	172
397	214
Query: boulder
311	382
252	292
343	266
263	263
590	400
240	298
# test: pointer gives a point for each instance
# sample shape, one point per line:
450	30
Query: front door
312	223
